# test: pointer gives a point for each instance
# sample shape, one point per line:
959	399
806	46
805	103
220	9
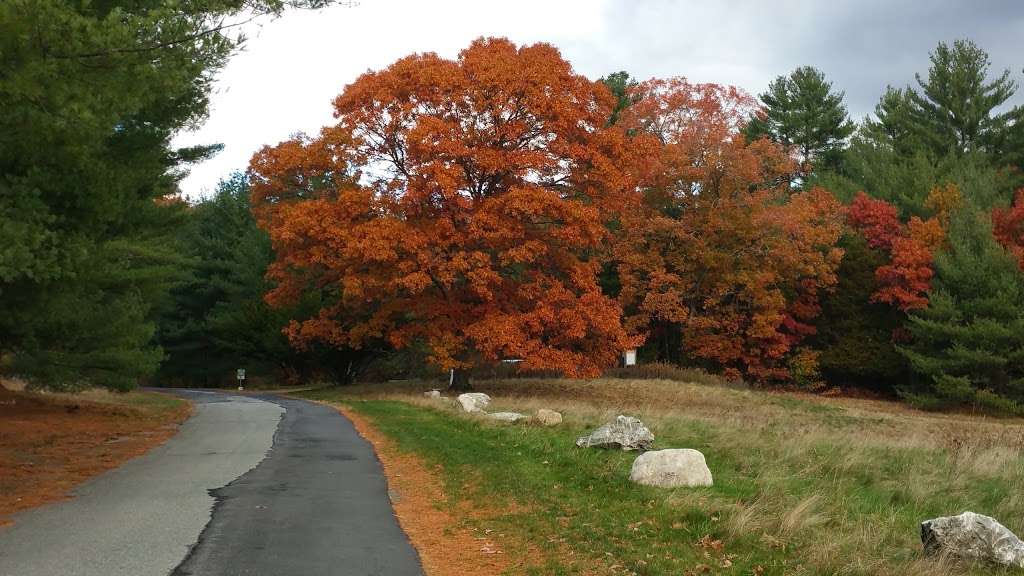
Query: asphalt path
260	486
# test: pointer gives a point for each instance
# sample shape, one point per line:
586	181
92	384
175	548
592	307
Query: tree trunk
460	381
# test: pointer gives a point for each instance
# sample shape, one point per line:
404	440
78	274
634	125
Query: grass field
803	485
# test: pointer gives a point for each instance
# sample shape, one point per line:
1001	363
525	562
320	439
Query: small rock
507	416
624	432
432	393
474	401
548	417
671	468
973	536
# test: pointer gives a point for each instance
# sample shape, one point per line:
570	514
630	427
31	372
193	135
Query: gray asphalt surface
292	488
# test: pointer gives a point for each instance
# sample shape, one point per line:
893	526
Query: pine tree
968	345
855	334
893	125
802	111
621	85
955	110
92	93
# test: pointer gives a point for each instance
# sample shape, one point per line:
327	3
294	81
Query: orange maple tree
905	280
721	250
456	203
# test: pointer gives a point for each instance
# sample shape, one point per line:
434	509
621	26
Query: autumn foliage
456	203
720	249
1008	227
904	282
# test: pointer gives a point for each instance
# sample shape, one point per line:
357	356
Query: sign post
240	375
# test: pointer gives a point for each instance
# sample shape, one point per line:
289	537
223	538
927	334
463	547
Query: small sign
629	358
240	374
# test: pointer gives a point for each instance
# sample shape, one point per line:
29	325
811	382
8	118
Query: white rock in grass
973	536
474	401
507	416
432	393
671	468
548	417
624	432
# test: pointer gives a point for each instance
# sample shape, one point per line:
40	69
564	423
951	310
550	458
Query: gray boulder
474	401
973	536
624	432
507	416
548	417
671	469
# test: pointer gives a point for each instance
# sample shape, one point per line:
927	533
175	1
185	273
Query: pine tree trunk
460	381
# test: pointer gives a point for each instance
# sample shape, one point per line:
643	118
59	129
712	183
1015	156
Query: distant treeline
501	206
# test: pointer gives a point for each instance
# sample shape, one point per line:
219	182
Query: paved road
292	489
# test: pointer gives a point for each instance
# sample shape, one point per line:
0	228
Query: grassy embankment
803	485
49	443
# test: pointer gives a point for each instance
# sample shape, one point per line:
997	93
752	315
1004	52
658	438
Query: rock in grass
548	417
507	416
973	536
474	401
432	393
625	432
671	469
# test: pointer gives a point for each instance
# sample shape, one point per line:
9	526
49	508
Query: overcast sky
292	67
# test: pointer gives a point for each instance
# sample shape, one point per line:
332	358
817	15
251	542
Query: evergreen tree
219	321
621	85
91	95
801	111
855	334
968	345
955	110
893	126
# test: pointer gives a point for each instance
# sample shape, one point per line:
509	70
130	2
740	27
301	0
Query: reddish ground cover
51	443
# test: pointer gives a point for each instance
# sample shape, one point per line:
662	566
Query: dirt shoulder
50	443
448	545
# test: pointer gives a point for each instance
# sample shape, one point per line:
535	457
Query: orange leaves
906	280
721	250
456	203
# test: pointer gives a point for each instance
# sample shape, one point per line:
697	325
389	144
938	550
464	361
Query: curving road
254	486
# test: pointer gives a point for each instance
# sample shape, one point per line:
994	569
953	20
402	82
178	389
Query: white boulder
548	417
973	536
432	393
624	432
507	416
671	468
474	401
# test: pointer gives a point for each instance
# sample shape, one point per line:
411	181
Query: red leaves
1008	227
906	280
876	219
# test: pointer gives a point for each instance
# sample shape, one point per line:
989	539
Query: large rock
973	536
671	468
624	432
507	416
474	401
548	417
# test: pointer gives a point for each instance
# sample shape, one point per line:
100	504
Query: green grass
801	487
